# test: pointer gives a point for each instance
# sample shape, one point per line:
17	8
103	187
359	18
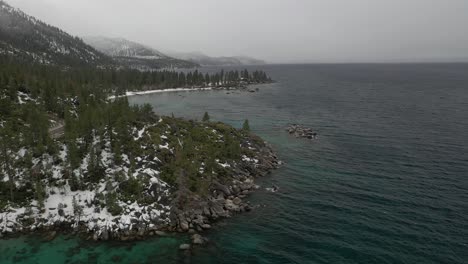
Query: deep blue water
385	182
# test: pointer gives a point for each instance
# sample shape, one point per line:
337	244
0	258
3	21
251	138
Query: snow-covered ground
88	207
161	91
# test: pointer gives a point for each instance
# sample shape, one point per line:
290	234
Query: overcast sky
274	30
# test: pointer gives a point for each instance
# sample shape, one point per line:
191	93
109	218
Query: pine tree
77	209
206	117
246	126
7	143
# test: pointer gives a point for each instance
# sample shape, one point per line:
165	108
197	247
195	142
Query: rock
217	209
206	226
231	206
228	203
197	239
235	189
183	223
105	235
51	236
206	211
237	201
184	247
218	186
160	233
301	132
184	226
246	186
191	231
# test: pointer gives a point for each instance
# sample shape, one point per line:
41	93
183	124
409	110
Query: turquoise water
385	182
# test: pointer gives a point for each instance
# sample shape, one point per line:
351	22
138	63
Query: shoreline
169	90
172	90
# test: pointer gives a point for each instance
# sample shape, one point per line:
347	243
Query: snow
139	133
224	165
245	158
130	93
23	98
165	146
97	220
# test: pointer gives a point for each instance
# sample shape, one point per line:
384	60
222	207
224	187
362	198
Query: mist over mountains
31	40
205	60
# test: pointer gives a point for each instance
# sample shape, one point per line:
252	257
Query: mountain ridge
205	60
134	54
28	38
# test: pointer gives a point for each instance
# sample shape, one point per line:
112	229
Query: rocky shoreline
189	213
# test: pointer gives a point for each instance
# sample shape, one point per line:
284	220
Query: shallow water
385	182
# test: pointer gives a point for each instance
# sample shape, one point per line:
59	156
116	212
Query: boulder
184	247
184	225
206	226
229	204
237	201
160	233
197	239
218	186
217	209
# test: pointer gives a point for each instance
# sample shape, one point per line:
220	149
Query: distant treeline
50	82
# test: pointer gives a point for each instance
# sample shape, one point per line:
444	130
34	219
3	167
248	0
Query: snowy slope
119	47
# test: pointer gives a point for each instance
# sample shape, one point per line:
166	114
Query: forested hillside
31	40
114	162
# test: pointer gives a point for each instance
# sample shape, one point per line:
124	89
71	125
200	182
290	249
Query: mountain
27	38
136	55
205	60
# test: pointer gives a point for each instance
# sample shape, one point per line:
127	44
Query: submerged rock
50	236
184	247
197	239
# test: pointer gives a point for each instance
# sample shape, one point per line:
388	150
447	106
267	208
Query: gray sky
274	30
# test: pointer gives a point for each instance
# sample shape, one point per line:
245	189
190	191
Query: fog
279	31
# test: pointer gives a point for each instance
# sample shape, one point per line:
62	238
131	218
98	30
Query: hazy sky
274	30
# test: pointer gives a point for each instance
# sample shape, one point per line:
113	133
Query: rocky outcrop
301	132
227	198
